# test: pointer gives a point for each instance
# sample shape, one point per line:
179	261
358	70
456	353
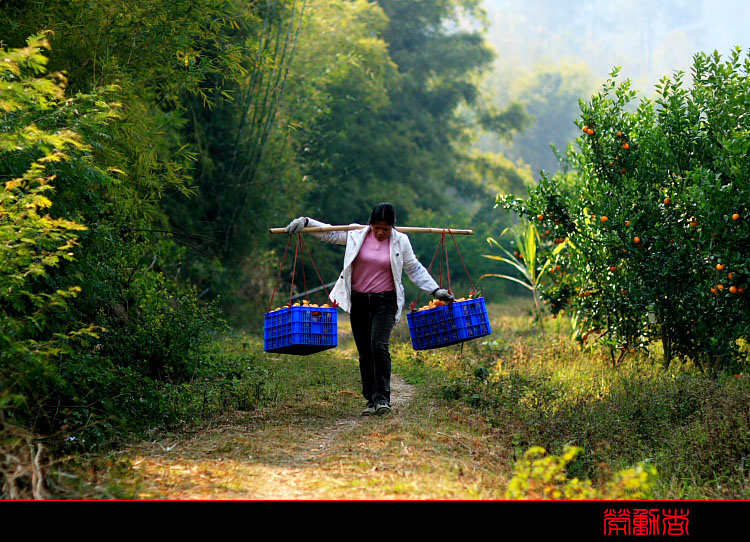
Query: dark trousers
373	317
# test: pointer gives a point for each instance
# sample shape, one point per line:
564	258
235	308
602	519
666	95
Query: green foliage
93	342
542	476
176	66
654	217
154	52
242	166
524	260
159	331
539	389
32	241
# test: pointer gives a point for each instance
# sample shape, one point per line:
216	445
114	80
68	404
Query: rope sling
300	329
441	324
444	246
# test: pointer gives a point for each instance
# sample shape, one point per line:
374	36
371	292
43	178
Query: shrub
95	339
32	242
159	331
654	217
542	476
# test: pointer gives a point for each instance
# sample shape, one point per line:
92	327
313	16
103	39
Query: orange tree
654	213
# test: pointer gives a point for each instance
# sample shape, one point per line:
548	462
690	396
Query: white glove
296	225
443	295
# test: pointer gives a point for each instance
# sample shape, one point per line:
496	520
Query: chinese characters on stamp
646	521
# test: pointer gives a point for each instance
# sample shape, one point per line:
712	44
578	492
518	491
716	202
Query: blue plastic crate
450	324
301	330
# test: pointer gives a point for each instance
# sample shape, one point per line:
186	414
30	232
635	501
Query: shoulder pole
402	229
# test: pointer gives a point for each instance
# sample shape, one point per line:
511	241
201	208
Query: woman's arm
335	237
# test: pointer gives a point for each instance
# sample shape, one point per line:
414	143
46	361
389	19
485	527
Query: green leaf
526	285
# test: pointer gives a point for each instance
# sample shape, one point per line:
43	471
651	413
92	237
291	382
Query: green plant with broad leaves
524	260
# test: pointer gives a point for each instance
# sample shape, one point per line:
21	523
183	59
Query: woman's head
382	219
383	212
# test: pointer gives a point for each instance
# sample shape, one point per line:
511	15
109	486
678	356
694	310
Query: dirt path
323	440
314	444
257	457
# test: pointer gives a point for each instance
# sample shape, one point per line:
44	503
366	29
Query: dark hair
383	212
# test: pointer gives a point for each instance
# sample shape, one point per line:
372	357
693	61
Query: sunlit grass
290	426
537	386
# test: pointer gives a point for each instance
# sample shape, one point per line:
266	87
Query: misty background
551	53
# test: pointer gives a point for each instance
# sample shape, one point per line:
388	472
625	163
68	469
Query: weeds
542	476
547	392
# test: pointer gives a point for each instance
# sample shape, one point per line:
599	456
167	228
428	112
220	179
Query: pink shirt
371	269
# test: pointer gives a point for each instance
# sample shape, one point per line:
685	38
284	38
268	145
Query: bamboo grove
146	146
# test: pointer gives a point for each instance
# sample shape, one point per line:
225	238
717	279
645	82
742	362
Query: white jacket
402	259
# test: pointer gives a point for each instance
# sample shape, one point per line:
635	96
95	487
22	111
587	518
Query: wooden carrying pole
402	229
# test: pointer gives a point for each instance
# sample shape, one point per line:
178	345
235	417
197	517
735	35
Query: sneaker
382	408
369	409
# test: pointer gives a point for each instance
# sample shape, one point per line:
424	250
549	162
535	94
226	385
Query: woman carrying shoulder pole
369	288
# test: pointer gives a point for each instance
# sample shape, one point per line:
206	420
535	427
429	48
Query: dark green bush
98	330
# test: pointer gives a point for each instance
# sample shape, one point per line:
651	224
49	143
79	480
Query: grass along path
419	451
318	446
290	427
